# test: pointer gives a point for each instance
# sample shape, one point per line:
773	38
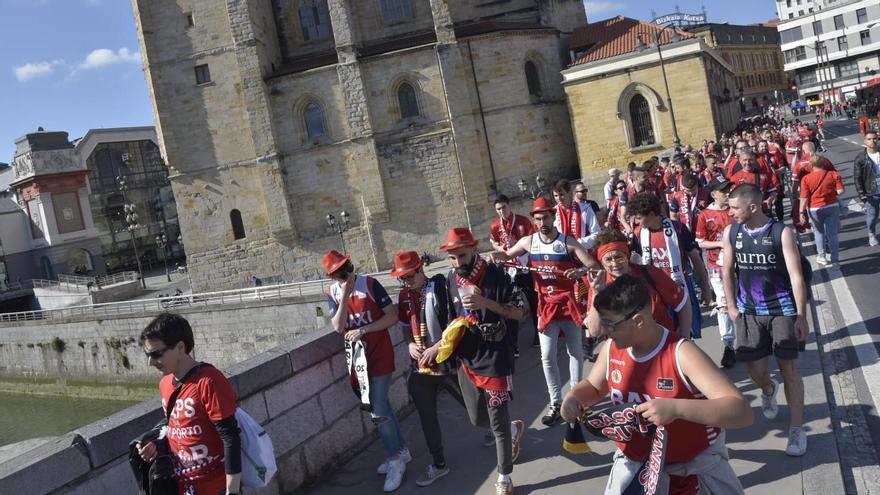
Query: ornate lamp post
132	225
341	226
161	242
675	38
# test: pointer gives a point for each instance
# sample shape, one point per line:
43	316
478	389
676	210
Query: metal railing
117	278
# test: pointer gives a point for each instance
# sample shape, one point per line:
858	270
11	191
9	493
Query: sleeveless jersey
364	307
655	376
764	284
554	255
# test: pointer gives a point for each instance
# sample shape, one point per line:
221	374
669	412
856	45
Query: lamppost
161	242
132	225
674	38
340	226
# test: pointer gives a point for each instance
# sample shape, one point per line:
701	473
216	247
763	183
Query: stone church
409	115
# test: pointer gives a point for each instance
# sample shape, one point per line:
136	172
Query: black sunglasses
156	354
612	325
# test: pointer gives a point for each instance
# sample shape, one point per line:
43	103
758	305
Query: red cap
458	237
541	205
405	263
333	261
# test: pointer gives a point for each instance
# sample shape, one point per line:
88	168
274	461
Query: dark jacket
864	175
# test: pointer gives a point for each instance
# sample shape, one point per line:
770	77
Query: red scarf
505	231
476	274
570	219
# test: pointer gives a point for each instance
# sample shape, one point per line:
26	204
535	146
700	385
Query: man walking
608	189
558	311
767	300
573	218
867	179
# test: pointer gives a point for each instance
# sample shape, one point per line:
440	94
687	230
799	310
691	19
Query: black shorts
761	336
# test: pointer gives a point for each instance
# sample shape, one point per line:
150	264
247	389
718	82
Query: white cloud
594	8
33	70
105	56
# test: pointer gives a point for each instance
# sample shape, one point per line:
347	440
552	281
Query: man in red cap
556	255
361	310
483	292
423	310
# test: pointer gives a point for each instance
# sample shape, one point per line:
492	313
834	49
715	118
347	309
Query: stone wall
107	349
298	391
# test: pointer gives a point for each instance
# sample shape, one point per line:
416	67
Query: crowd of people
621	284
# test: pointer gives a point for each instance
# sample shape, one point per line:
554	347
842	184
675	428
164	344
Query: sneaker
432	474
729	357
820	260
516	432
404	455
396	469
828	257
552	416
872	240
797	441
488	439
768	402
516	353
503	488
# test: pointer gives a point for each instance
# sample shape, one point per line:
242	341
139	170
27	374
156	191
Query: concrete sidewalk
757	453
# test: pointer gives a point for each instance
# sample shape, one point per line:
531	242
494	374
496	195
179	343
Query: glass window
865	37
842	43
395	10
237	224
861	16
795	54
314	20
788	3
640	113
314	119
847	69
817	27
533	79
790	35
190	20
203	74
790	15
406	99
838	21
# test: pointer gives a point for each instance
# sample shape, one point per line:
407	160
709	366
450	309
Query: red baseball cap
333	261
458	237
405	262
542	205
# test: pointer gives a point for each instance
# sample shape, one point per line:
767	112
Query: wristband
361	332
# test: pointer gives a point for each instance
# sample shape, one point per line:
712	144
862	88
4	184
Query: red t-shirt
687	206
802	168
204	398
365	305
710	227
821	192
657	375
516	228
766	182
667	297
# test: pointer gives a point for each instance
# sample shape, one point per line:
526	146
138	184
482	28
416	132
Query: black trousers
424	390
527	285
495	418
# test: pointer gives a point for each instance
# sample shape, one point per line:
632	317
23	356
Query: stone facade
241	141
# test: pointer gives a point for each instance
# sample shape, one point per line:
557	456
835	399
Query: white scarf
672	249
356	358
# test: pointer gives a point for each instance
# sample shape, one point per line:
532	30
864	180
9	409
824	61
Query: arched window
406	100
314	120
237	224
314	20
640	113
533	79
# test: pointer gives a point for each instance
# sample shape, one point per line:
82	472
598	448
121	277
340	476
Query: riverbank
82	389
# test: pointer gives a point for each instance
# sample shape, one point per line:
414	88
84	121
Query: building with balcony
830	49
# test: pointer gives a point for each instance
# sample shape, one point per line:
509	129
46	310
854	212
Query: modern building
620	80
830	48
754	53
409	115
61	212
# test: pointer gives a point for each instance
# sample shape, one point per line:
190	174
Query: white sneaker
797	441
820	260
432	474
516	432
404	455
872	240
396	469
768	402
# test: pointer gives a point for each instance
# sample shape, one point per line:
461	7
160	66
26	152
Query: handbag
156	477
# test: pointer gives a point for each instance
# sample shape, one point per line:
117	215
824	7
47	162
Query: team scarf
572	219
356	358
425	327
673	250
473	278
687	209
506	231
620	423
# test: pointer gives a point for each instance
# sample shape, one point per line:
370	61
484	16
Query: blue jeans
389	431
872	208
826	224
548	340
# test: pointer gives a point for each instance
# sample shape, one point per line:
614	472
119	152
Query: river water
24	416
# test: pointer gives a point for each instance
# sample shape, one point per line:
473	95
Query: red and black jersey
364	307
654	376
204	398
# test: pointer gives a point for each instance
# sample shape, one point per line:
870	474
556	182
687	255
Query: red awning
872	82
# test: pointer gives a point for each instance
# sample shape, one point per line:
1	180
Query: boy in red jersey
674	384
202	433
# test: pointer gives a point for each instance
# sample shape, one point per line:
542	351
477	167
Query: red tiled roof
616	36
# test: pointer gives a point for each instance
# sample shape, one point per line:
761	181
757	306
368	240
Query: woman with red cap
361	310
667	297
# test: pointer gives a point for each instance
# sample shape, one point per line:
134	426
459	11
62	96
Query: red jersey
801	168
688	206
710	227
555	292
657	375
511	230
667	297
364	307
767	183
204	398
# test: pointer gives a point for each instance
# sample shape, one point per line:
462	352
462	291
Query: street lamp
161	242
132	225
674	38
340	226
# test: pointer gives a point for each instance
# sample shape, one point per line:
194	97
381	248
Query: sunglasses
407	278
157	354
612	325
621	188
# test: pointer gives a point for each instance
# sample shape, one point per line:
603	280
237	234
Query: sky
74	65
